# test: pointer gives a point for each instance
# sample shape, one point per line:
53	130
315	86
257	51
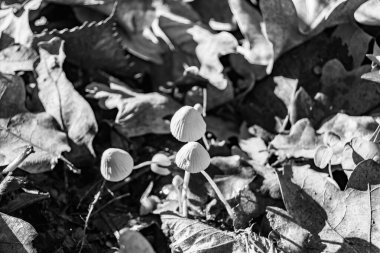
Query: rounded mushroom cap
193	157
160	162
187	124
116	164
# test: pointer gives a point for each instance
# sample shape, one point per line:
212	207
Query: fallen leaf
343	220
137	43
133	242
22	200
300	142
291	22
346	90
94	45
16	235
15	23
250	22
200	47
59	97
17	58
367	13
358	150
215	13
138	113
193	236
20	128
356	40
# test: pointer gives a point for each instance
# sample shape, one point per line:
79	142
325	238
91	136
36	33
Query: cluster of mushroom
188	125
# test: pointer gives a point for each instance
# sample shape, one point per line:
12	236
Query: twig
110	202
88	192
19	159
90	209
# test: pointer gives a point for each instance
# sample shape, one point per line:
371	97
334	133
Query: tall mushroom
194	158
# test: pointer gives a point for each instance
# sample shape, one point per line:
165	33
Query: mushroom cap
116	164
187	124
160	161
193	157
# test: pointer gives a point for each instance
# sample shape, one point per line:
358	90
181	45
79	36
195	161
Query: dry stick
375	135
87	192
110	202
11	167
330	171
19	159
204	101
220	195
67	162
90	209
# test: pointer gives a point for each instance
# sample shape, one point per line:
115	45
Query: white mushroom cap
116	164
187	124
193	157
160	161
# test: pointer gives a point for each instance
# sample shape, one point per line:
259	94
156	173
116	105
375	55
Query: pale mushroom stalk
220	195
204	139
375	136
143	164
185	189
204	102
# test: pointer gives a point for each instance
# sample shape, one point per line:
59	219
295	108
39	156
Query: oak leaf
59	97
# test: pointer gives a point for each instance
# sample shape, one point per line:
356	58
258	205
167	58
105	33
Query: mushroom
194	158
177	182
187	124
159	165
116	164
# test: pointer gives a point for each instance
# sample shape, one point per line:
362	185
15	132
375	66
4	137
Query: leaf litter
288	91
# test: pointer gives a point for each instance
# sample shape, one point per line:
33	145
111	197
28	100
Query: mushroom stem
185	188
207	146
204	101
143	164
220	195
375	135
330	171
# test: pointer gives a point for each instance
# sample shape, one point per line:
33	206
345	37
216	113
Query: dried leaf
250	22
59	97
323	156
199	46
291	22
22	200
138	113
343	220
15	23
20	128
367	13
16	235
356	40
346	90
133	242
193	236
17	58
95	45
215	13
301	141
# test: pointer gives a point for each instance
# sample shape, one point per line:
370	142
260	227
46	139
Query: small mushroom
159	165
187	124
116	164
177	182
194	158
